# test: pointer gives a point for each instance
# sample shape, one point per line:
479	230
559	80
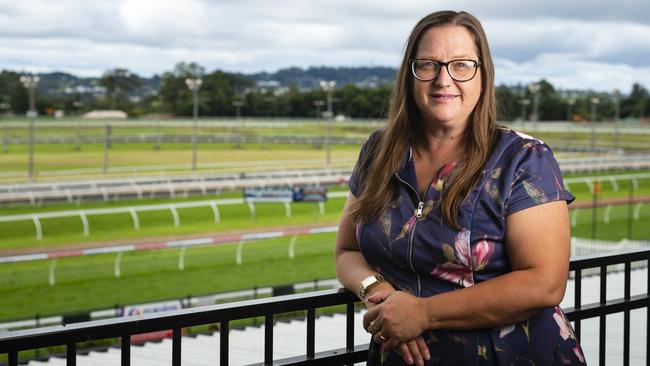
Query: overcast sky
581	44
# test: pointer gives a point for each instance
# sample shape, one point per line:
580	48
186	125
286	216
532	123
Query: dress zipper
418	214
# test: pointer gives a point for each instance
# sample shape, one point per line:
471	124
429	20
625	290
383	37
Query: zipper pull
420	207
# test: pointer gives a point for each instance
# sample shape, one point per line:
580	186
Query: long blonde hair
385	157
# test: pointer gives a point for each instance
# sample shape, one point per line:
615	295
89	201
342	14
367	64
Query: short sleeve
537	178
355	183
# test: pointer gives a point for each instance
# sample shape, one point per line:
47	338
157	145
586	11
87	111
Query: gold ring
371	327
383	339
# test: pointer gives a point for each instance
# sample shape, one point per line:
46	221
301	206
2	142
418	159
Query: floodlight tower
534	90
594	102
194	84
328	87
30	82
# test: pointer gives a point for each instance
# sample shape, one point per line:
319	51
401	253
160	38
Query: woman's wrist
383	286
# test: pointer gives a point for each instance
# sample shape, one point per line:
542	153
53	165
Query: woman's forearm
503	300
351	269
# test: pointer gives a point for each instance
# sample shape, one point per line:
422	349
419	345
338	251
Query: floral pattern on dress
566	332
492	188
463	261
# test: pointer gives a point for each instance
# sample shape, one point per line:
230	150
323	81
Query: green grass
581	190
199	220
84	283
63	157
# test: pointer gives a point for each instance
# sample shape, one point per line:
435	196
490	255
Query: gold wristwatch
367	283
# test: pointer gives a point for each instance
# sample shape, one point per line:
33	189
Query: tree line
231	94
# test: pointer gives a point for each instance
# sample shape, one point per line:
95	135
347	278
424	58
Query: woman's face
444	102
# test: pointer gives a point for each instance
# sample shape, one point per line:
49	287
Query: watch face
368	281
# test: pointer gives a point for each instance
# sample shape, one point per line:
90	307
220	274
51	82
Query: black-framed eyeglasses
459	70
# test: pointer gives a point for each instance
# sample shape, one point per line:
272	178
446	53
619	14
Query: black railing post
603	316
224	333
577	302
126	350
176	347
311	332
13	358
268	339
349	326
626	314
71	354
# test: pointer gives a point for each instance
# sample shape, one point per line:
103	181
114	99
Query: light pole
571	100
328	87
594	102
534	90
5	138
194	84
77	106
238	104
30	83
319	103
524	103
159	105
616	95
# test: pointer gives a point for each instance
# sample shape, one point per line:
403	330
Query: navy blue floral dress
424	256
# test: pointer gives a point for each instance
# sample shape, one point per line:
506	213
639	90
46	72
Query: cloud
576	43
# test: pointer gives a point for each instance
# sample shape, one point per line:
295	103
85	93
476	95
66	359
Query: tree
637	104
119	83
176	98
13	94
221	89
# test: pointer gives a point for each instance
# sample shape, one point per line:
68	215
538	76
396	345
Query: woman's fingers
378	297
406	353
368	317
422	346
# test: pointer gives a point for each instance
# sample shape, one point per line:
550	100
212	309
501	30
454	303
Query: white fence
133	211
581	247
170	186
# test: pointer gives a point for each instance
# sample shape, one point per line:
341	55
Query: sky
573	44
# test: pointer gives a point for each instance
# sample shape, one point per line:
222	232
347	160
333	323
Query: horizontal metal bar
597	260
339	356
113	328
594	310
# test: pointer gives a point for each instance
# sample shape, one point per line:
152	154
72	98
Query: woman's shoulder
510	138
512	146
510	142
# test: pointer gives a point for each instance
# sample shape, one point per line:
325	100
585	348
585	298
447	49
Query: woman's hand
399	318
412	351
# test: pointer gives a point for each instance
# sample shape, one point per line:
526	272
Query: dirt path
154	240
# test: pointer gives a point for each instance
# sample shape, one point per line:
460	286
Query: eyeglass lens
459	70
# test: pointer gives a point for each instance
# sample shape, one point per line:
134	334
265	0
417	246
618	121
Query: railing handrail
597	260
114	327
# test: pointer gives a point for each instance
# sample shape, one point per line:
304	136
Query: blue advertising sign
285	194
268	194
310	194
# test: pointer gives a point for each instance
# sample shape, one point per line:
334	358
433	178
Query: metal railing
604	307
124	328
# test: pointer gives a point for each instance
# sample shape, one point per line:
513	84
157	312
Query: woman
456	234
